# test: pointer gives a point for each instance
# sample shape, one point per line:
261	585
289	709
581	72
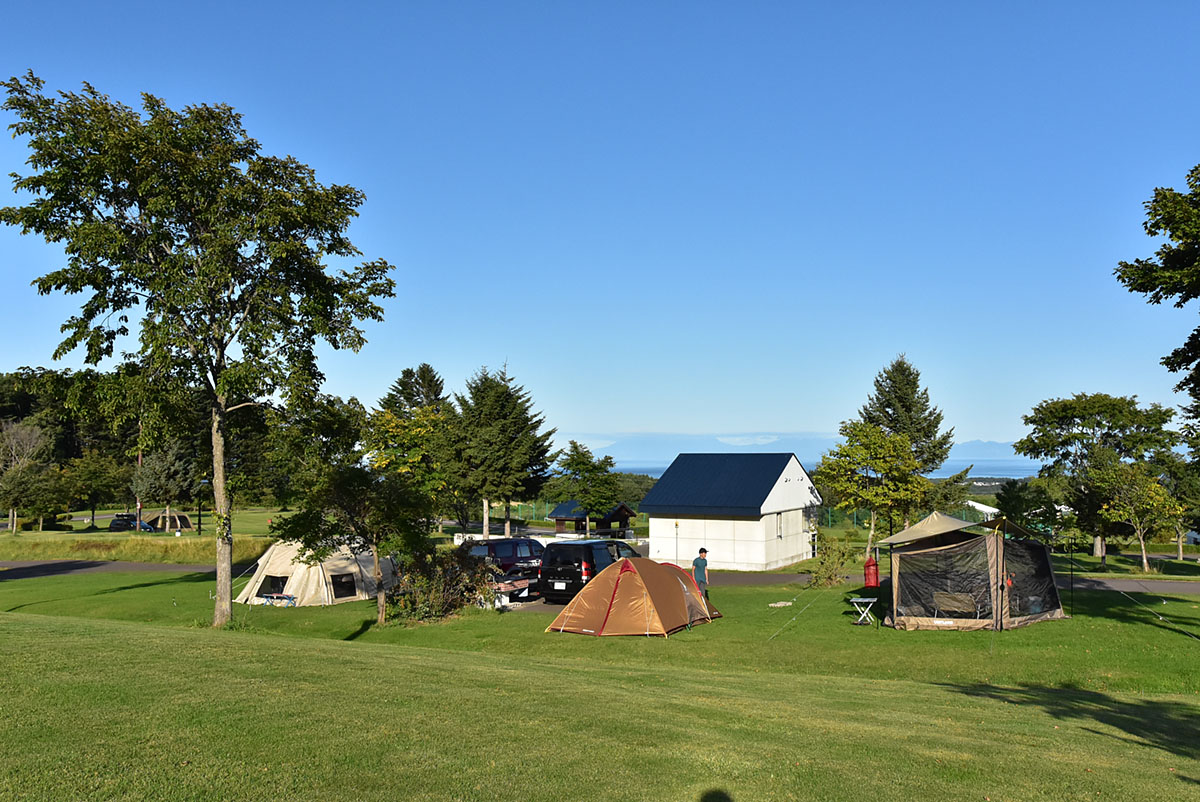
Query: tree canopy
173	220
1074	435
900	405
872	469
588	480
1173	273
504	453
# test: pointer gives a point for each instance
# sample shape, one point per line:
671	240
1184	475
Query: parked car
568	565
126	522
510	552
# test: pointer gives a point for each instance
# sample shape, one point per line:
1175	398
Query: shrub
431	587
830	562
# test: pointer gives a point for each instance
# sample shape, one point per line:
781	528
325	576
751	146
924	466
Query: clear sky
696	217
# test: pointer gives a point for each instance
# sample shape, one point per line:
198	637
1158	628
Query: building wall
737	544
793	490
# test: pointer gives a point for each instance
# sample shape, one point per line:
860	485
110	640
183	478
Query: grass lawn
114	692
1128	565
250	540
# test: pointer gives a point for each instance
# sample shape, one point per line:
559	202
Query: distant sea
999	468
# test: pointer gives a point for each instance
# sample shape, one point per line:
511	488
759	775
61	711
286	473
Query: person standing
700	572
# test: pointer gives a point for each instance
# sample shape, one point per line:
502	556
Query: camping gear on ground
636	596
945	577
341	577
863	607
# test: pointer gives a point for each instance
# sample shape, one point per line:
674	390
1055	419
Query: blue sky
697	217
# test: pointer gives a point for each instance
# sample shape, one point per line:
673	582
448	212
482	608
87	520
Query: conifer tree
505	453
901	406
416	387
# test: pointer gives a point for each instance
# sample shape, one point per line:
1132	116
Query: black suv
510	553
568	565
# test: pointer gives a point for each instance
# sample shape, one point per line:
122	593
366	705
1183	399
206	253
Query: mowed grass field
250	531
114	689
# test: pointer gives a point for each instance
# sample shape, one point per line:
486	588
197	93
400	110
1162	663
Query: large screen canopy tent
946	577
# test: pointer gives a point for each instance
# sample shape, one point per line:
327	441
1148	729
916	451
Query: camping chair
944	601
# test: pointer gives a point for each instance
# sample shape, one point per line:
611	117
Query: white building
753	512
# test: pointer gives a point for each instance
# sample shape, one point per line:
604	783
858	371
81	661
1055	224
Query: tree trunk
222	511
167	520
93	524
1103	553
1145	561
1179	542
1098	546
870	534
507	519
487	518
41	519
380	596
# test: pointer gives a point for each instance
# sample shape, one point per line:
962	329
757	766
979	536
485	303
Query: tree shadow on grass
715	795
1138	608
173	580
1173	727
362	628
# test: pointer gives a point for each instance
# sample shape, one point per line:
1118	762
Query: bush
431	587
831	560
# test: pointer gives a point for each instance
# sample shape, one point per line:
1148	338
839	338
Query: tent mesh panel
950	582
1030	579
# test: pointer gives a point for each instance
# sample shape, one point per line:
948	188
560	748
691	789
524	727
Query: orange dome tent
635	596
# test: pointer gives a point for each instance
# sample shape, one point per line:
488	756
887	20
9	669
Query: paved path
25	569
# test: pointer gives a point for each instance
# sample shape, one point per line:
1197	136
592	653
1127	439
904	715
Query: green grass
250	529
122	695
1128	565
186	550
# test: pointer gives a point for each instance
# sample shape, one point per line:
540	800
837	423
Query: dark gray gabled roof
572	511
717	485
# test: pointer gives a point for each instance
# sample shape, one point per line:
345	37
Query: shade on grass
489	707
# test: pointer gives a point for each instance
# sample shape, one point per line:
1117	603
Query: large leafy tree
1173	273
1073	435
588	480
24	450
174	221
1134	496
871	469
168	477
900	405
368	482
96	478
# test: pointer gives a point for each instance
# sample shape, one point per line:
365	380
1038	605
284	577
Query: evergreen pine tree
901	406
505	451
419	387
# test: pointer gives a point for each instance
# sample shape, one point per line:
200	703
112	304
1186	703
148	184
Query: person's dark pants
703	588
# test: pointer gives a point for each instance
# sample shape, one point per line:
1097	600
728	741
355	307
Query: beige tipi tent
283	577
635	596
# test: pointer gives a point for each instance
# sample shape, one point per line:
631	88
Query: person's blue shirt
700	569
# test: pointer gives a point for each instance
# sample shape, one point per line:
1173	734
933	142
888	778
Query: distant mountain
652	452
